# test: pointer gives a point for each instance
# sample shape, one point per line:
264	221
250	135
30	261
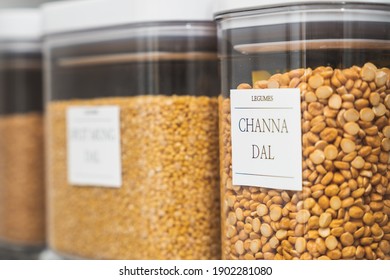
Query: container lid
225	6
68	16
20	24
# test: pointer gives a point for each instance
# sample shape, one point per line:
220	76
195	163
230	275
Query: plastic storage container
22	219
132	141
304	128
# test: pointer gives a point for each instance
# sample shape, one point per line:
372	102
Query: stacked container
22	226
304	129
132	142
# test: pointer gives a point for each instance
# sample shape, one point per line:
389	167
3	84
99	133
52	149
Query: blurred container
22	215
133	136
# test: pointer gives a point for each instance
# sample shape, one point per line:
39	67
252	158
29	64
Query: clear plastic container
22	215
150	189
304	129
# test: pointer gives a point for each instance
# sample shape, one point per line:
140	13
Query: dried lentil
22	200
342	171
168	205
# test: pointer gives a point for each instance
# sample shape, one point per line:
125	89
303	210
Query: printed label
266	138
94	154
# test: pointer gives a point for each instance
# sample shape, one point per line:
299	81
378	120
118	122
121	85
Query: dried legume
168	205
344	207
22	199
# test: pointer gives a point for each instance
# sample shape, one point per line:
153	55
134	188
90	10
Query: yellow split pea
343	209
22	190
168	205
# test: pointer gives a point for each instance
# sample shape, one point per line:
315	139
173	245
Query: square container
304	129
22	194
132	117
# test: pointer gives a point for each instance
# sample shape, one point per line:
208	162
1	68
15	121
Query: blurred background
22	3
5	254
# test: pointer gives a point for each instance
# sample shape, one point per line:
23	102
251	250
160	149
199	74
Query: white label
94	154
266	138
